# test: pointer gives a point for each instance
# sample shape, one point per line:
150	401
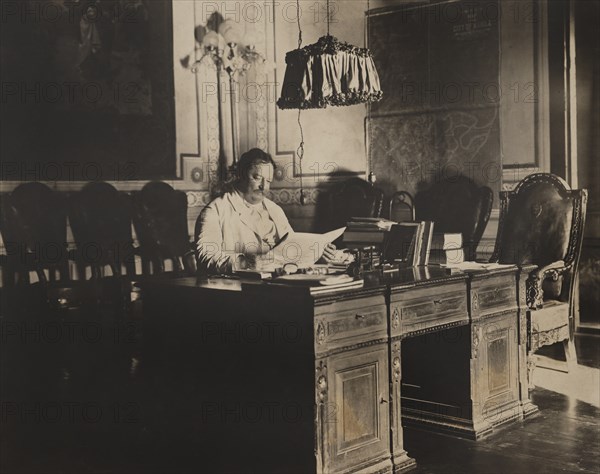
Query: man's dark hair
251	158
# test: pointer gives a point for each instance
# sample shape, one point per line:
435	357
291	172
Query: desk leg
400	459
479	369
526	362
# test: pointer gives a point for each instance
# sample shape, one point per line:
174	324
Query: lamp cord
299	27
300	153
328	18
371	177
300	149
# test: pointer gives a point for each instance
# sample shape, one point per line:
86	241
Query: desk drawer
494	294
347	326
427	308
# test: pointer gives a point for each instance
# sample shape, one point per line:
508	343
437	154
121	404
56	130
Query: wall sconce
234	53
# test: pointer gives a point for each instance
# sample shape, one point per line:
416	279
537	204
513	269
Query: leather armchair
541	223
457	204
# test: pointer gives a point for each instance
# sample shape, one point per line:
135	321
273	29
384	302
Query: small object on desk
336	280
402	263
390	267
465	266
390	270
315	270
365	259
254	274
446	240
300	278
371	257
450	256
289	269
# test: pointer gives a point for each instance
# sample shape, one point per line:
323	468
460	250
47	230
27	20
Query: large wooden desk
443	352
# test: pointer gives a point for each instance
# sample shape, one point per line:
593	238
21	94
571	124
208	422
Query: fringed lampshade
329	72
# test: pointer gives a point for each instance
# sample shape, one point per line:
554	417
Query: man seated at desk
238	229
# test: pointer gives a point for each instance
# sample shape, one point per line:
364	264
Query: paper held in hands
303	249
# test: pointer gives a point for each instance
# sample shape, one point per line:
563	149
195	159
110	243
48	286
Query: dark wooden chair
541	223
401	207
34	229
456	205
100	218
160	220
354	197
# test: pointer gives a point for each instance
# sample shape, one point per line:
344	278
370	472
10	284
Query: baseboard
588	330
551	364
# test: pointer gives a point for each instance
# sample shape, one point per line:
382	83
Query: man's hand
253	261
329	253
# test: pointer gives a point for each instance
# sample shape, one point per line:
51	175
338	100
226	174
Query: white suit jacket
227	229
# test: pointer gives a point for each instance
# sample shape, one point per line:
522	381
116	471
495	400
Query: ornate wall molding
260	112
197	198
288	196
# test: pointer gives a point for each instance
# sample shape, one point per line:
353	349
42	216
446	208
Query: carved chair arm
535	293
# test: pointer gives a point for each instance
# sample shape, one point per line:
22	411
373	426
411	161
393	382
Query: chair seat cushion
554	314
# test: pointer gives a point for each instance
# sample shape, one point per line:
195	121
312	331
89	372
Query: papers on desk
325	280
319	284
476	266
331	288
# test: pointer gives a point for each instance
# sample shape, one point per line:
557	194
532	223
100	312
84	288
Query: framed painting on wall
87	90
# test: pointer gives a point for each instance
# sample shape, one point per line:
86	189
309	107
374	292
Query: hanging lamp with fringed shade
329	72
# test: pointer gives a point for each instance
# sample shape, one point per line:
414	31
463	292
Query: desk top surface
404	278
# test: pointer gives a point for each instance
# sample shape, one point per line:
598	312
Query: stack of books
365	231
409	243
446	249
